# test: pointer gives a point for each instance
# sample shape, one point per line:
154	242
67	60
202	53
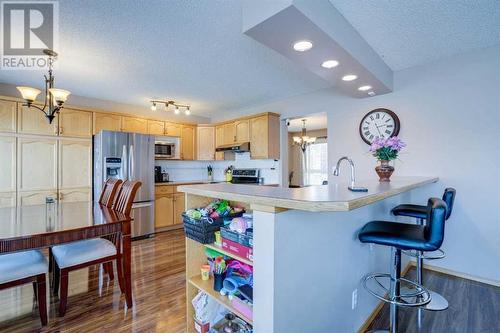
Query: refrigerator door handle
124	164
131	159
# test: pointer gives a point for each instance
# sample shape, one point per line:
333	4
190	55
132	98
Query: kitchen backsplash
197	170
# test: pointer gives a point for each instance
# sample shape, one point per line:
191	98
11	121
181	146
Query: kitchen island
308	262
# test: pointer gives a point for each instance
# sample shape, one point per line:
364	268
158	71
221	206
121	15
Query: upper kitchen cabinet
229	133
108	122
33	121
36	164
7	163
134	125
156	127
219	141
242	128
188	142
206	143
75	163
75	123
173	129
7	116
265	137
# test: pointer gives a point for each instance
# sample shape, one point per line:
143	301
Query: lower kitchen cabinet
164	209
75	195
35	197
179	206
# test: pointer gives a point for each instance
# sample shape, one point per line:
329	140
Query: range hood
235	148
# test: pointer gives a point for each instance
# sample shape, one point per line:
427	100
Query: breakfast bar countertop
323	198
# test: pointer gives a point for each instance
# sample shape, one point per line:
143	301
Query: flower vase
384	171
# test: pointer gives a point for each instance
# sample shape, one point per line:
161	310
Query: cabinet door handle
60	130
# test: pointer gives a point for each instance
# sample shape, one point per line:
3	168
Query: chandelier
167	103
303	140
54	98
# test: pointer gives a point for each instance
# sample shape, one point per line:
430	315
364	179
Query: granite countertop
333	197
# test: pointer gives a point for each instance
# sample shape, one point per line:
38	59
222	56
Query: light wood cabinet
36	164
156	127
205	143
107	122
33	121
188	142
75	195
7	163
134	125
7	199
75	164
164	210
219	141
173	129
7	116
35	197
242	128
265	137
229	133
179	207
75	123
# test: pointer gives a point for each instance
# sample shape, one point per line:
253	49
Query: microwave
164	150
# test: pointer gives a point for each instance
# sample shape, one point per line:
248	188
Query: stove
246	176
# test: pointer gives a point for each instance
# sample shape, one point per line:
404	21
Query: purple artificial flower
377	144
395	143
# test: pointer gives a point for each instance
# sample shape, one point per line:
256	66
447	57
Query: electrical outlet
354	299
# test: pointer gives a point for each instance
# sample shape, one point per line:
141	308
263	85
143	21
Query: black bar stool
404	236
419	212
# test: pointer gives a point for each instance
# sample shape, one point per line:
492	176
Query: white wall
450	119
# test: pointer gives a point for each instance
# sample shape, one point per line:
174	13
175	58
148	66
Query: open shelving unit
195	257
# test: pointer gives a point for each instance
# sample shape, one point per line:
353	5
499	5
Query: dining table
42	226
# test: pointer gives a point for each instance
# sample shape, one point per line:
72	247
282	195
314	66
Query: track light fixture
177	110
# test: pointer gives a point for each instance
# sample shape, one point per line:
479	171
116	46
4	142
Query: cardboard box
237	249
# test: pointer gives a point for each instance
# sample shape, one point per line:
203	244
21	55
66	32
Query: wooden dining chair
20	268
109	191
125	197
81	254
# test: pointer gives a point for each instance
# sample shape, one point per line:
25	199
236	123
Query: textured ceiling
407	33
190	51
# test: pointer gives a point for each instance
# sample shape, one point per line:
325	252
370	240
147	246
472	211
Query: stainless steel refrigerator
128	156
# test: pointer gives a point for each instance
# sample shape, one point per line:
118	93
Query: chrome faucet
352	187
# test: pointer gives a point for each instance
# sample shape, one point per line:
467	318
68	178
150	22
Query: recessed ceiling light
330	64
364	88
350	77
371	93
302	45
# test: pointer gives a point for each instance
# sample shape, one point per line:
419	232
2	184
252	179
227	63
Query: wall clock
379	123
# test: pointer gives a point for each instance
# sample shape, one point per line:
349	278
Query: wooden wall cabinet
8	116
156	127
229	133
107	122
75	164
76	195
265	137
30	198
134	125
188	142
205	137
173	129
242	128
33	121
7	199
36	164
75	123
7	163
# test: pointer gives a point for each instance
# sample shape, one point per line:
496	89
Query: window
317	163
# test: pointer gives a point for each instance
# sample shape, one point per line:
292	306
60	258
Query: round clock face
379	123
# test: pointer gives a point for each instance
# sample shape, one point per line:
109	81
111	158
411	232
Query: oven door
164	150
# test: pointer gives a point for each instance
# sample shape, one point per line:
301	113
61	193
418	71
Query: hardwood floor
474	308
95	304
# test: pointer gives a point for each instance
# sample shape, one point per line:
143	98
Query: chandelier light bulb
153	107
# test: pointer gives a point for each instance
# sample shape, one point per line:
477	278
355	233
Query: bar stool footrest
417	297
438	254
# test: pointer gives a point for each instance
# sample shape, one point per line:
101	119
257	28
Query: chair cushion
400	235
416	211
20	265
80	252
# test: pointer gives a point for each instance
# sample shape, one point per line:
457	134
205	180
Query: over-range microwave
164	150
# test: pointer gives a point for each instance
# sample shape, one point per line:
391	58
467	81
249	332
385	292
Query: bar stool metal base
437	303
